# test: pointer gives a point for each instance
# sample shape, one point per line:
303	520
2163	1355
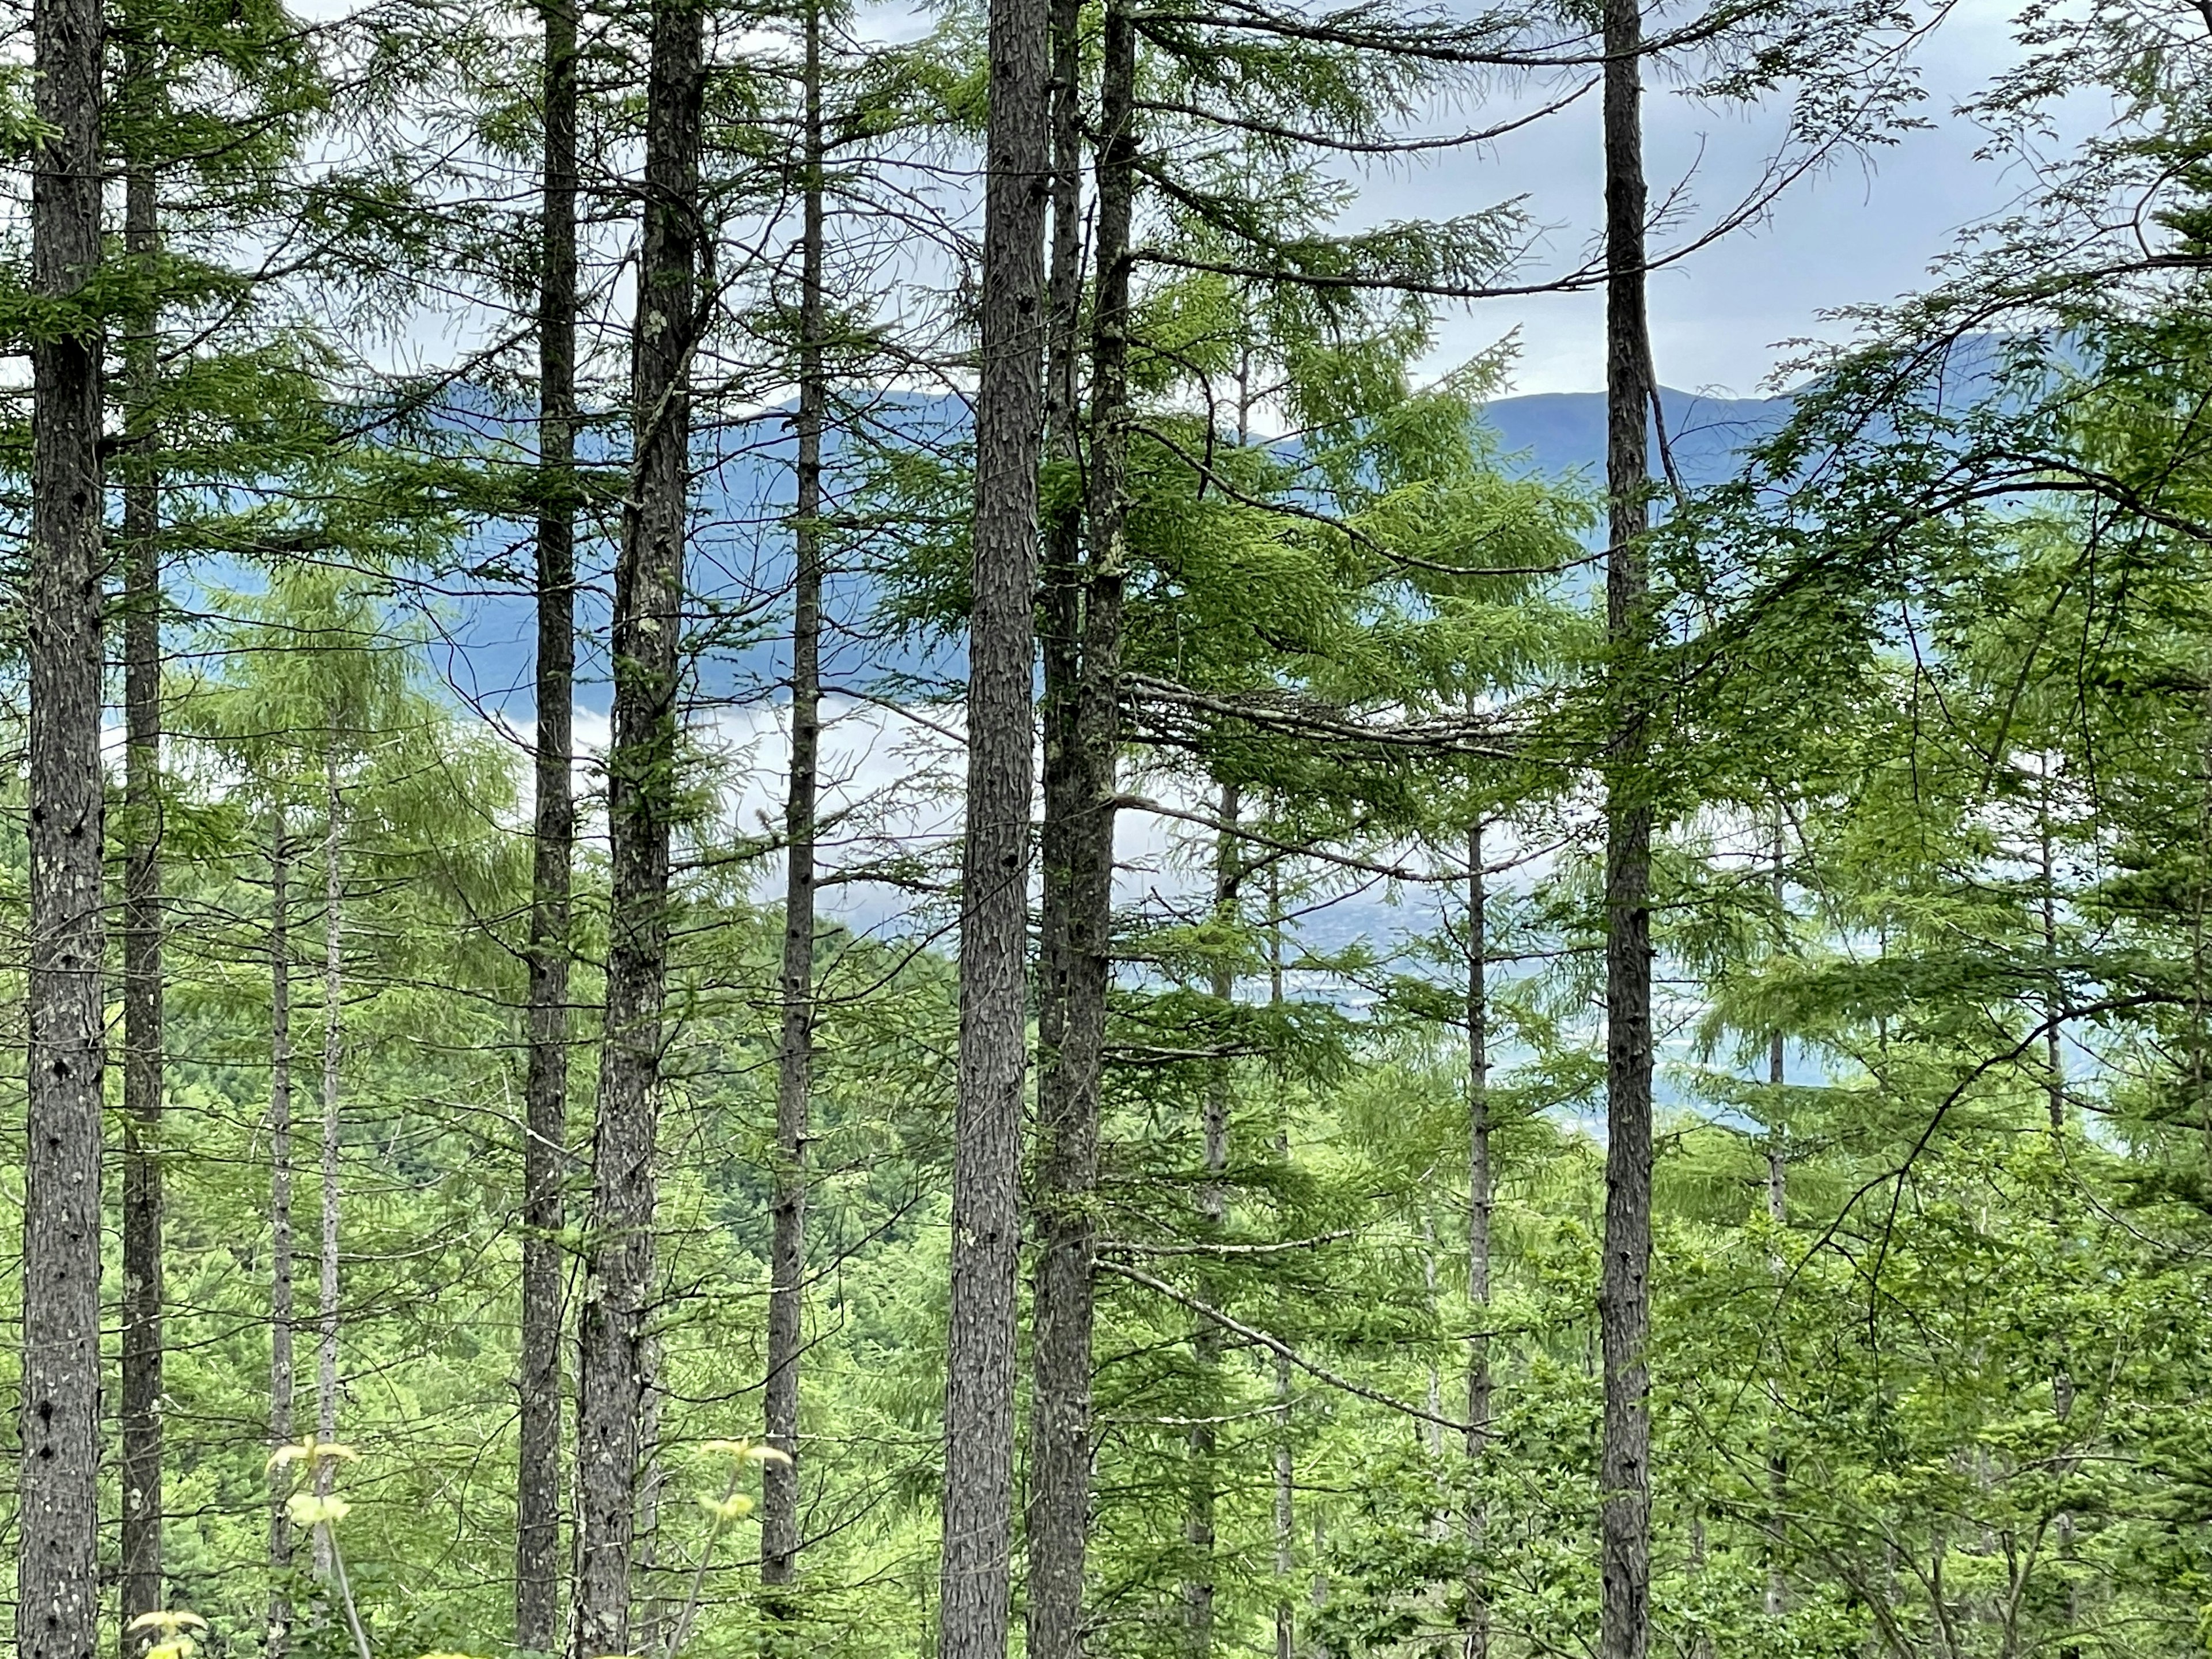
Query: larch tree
57	1514
780	1517
145	1070
643	788
1623	1292
537	1565
979	1400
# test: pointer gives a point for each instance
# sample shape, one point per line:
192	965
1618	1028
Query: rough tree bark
280	1309
1624	1304
1082	666
143	1065
641	763
979	1395
1480	1202
545	1085
795	1081
58	1511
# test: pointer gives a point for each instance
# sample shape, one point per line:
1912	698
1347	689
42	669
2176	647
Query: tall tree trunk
979	1394
58	1508
1285	1489
142	1048
641	764
795	1080
1777	1212
2054	1062
1081	737
1624	1304
545	1085
1213	1213
281	1314
326	1301
1480	1203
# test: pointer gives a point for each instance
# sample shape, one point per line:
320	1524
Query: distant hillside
1560	433
486	644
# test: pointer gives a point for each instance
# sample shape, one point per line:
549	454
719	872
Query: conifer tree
780	1530
545	1106
978	1400
144	1071
1624	1296
57	1582
614	1346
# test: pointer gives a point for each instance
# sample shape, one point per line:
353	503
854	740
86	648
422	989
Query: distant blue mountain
742	558
1559	433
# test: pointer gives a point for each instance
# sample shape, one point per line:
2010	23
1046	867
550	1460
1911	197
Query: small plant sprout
170	1629
320	1512
734	1458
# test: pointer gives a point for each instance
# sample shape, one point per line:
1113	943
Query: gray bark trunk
281	1310
642	761
1080	783
58	1512
1480	1203
1778	1212
1198	1590
1624	1305
545	1085
779	1535
1286	1487
979	1395
142	1068
326	1301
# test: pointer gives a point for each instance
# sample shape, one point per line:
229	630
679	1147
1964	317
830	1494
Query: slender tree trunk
1214	1212
1286	1487
1081	780
1480	1203
641	763
326	1306
1624	1304
649	1625
142	1068
281	1314
57	1509
545	1085
979	1395
2054	1061
795	1052
1778	1212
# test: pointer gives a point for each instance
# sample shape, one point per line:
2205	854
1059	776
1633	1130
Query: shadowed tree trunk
142	1066
281	1311
545	1085
979	1394
57	1509
795	1080
641	798
1623	1300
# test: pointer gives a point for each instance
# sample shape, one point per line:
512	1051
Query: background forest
810	850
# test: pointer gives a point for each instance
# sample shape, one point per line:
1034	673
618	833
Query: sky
1856	233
